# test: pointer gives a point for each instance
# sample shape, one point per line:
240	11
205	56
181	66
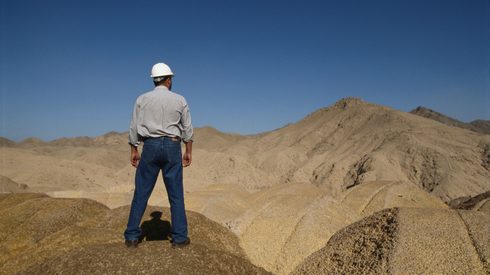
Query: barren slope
407	241
353	142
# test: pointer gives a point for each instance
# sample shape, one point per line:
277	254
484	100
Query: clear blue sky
74	68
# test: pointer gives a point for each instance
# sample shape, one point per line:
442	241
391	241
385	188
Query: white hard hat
160	69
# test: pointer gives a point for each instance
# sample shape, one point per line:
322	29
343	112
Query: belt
171	138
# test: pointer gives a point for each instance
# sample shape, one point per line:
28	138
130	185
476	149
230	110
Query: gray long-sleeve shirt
160	112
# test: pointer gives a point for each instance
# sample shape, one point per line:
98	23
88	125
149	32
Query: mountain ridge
478	125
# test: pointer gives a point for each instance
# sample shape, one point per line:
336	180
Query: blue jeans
159	154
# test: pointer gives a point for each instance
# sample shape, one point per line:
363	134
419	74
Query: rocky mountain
480	126
354	142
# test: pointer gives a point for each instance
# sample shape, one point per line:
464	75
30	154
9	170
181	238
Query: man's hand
187	159
135	156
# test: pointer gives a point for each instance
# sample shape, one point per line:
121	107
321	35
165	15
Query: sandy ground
407	241
44	235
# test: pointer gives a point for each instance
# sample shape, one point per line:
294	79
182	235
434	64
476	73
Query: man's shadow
155	229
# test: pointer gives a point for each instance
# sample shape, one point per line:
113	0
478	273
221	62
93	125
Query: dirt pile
40	234
408	241
149	258
361	248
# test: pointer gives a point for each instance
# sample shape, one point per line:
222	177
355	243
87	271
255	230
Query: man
161	119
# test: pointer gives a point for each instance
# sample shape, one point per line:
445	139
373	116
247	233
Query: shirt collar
161	88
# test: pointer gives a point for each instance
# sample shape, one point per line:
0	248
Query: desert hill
353	141
408	241
481	126
31	142
6	142
40	234
289	189
111	138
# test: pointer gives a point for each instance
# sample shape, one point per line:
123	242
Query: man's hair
161	79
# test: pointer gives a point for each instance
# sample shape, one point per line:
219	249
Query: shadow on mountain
155	229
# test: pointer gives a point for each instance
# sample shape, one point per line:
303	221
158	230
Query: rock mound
303	222
348	102
408	241
201	229
27	221
361	248
148	258
40	234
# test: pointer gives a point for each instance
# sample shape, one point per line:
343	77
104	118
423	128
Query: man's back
161	112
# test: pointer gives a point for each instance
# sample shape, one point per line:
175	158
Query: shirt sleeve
187	130
133	127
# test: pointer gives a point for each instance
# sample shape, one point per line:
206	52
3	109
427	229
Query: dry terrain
286	192
407	241
43	235
479	125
